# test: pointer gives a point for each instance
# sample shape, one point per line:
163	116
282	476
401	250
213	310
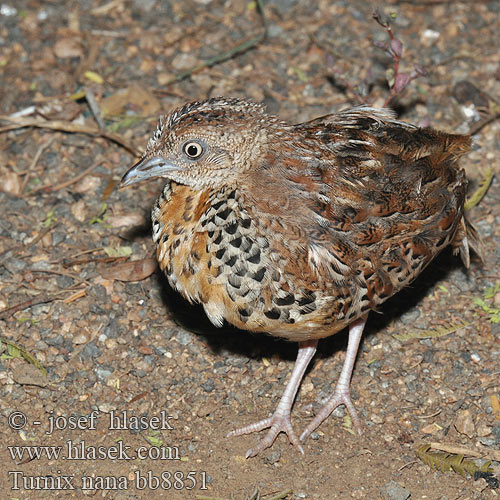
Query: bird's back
396	196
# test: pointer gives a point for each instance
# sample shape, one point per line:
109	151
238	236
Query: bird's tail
467	238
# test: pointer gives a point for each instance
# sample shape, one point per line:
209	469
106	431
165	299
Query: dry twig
228	54
34	162
22	247
482	123
20	122
40	299
462	450
62	185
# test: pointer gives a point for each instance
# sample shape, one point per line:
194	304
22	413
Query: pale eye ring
193	150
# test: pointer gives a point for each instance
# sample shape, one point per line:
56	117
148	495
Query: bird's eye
193	150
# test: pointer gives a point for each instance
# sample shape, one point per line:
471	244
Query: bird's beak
147	168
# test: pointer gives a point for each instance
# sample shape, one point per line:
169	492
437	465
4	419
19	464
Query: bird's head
206	144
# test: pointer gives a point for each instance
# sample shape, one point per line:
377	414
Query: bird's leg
342	393
280	419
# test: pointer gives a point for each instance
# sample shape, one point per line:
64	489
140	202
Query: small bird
300	230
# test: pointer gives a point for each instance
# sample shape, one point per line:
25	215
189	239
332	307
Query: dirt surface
113	337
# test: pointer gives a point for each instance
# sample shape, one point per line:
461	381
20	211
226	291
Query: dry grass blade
281	496
440	331
479	193
94	107
14	350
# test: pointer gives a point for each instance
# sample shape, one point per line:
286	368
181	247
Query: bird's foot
342	393
341	396
279	422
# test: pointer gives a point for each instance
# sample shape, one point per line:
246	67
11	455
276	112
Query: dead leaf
47	240
11	183
118	251
136	270
128	220
79	211
143	99
68	47
429	429
464	424
109	188
135	96
89	183
115	104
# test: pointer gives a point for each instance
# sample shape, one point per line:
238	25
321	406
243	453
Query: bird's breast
215	253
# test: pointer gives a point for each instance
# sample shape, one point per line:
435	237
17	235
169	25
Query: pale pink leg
280	420
342	393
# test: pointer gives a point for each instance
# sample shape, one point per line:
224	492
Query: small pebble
90	351
80	338
273	457
315	436
475	357
183	337
208	386
394	491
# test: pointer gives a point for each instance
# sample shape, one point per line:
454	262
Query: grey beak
147	168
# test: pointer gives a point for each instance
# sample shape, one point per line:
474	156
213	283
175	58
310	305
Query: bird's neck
193	205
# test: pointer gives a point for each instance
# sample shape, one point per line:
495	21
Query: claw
336	399
277	423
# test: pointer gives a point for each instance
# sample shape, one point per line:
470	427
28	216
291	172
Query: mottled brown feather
298	230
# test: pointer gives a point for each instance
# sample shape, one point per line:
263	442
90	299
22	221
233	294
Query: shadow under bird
300	230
